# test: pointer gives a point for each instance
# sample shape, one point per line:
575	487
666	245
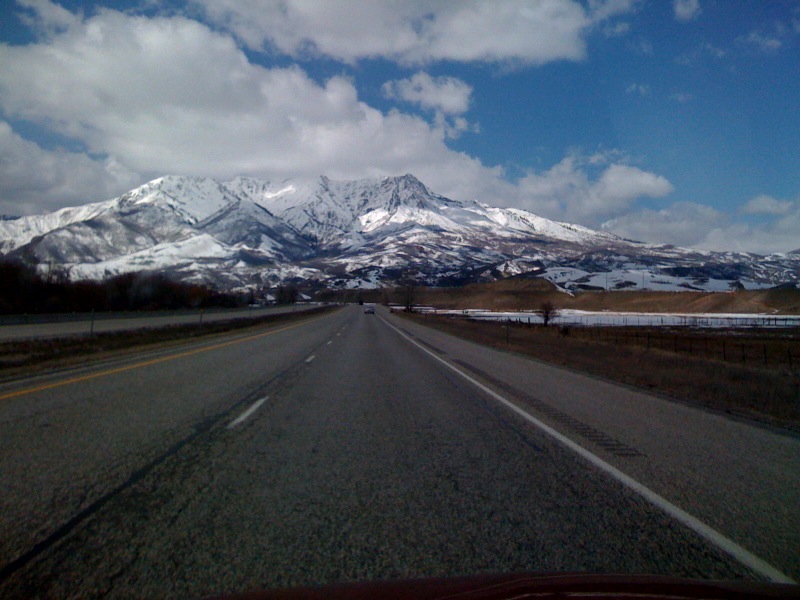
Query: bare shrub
547	311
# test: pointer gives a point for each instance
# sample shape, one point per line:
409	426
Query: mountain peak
364	232
407	182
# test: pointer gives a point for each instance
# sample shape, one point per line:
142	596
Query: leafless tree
547	311
408	297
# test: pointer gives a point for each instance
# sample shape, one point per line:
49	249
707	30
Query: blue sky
664	121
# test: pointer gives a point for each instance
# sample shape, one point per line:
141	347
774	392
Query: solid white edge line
242	417
744	556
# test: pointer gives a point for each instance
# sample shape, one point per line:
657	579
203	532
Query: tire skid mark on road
204	427
432	347
66	528
600	438
708	533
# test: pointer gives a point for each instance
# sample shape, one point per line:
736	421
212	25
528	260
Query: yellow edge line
50	386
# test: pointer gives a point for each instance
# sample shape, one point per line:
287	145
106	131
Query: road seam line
246	414
147	363
705	531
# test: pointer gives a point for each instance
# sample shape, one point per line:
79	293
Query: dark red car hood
529	586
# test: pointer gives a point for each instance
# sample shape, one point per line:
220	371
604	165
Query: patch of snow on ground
581	318
638	279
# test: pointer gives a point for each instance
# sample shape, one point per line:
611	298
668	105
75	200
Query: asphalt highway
359	447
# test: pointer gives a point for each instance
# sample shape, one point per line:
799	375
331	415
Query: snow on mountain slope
367	232
329	211
189	253
246	224
520	220
18	232
191	198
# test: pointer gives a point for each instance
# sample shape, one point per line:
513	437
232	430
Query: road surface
358	447
85	324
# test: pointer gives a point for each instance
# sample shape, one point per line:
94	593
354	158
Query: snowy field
630	319
636	278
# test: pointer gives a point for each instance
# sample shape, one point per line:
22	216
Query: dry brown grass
766	394
529	294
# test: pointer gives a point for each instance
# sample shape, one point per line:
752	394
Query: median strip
147	363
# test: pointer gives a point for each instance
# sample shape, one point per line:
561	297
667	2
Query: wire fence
754	340
769	348
771	353
576	318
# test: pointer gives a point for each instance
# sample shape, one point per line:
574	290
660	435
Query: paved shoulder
741	479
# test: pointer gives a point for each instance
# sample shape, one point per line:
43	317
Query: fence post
724	353
789	353
764	346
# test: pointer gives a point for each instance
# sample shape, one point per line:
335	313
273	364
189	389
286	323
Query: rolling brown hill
529	294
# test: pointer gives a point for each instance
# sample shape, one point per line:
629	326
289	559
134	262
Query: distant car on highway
369	310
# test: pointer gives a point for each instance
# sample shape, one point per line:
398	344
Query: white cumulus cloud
767	205
568	192
46	17
682	224
416	31
686	10
33	180
169	95
763	41
701	226
639	89
446	94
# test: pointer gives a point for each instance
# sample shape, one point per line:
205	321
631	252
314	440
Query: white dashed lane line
242	417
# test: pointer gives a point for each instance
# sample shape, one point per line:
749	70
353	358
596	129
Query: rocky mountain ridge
363	233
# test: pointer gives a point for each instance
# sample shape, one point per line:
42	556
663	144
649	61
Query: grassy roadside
26	357
770	395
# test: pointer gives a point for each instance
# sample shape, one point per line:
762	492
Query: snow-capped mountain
360	233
